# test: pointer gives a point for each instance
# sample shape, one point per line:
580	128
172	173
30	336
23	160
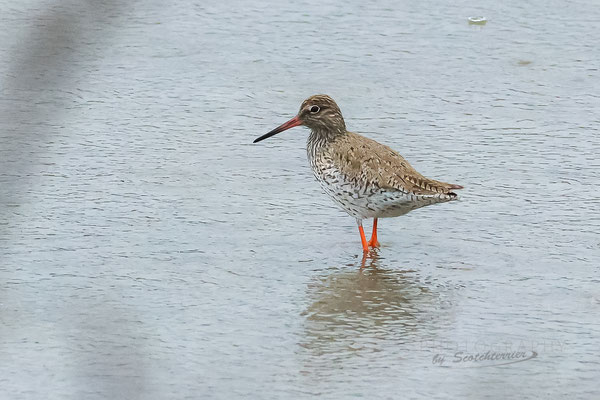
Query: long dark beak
283	127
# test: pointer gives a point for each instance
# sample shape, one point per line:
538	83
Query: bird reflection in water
369	259
375	309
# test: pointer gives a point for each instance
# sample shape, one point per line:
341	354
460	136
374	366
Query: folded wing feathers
389	169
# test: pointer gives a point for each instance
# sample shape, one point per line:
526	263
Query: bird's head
319	113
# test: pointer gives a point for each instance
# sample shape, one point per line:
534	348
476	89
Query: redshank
365	178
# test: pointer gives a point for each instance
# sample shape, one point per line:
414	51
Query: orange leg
373	242
363	239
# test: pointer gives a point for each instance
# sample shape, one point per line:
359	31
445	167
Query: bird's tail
454	186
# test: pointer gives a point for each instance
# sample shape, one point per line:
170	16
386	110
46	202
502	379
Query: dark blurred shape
39	84
58	48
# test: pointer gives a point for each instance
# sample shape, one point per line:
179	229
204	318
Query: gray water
150	251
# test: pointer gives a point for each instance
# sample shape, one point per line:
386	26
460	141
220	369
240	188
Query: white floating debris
477	20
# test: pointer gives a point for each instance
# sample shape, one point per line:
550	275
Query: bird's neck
322	135
321	138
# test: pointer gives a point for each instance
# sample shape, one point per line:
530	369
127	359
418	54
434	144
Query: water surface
149	250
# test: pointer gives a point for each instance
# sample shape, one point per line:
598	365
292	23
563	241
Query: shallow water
149	250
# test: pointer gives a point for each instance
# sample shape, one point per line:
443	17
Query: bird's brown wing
376	164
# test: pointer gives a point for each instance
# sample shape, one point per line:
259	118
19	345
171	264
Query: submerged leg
373	242
363	239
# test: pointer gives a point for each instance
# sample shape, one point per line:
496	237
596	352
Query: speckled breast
359	199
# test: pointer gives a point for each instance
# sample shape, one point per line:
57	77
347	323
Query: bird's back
374	164
369	179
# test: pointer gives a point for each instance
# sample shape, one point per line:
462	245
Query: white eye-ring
314	109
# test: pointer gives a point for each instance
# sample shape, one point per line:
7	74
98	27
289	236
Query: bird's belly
369	201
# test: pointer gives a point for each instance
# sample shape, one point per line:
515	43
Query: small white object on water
477	20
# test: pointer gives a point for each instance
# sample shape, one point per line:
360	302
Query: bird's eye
314	109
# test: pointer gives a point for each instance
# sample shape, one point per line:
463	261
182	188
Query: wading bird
365	178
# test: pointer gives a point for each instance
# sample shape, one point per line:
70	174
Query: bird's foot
373	243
